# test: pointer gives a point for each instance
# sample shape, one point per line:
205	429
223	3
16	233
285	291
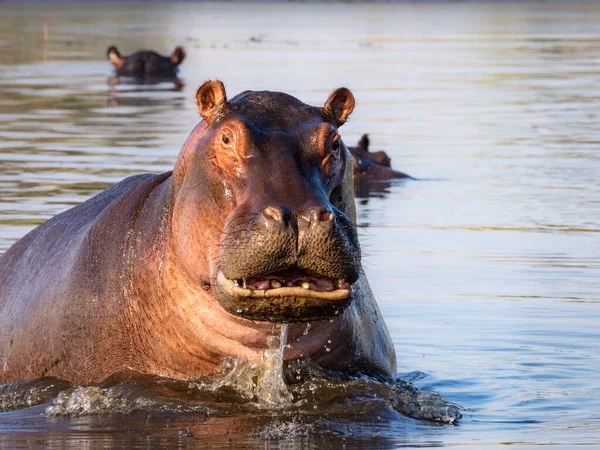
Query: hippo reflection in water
171	274
146	66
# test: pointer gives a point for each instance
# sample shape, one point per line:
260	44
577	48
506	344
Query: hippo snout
315	239
292	266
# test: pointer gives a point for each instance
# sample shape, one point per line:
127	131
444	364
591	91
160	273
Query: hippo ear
114	56
339	105
209	98
177	56
364	142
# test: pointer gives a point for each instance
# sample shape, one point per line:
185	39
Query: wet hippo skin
146	66
168	274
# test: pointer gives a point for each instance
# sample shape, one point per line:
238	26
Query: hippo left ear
209	98
114	56
339	105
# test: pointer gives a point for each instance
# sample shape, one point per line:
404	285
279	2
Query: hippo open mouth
285	295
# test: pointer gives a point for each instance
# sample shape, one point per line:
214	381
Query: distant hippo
362	151
372	166
146	66
169	274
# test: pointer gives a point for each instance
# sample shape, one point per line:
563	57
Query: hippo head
146	66
266	180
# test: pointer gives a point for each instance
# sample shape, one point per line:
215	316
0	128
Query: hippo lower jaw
310	301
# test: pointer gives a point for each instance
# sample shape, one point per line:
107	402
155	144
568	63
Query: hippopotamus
372	166
146	66
171	274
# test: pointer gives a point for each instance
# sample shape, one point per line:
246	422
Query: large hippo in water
169	274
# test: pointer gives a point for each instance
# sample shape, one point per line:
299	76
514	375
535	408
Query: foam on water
120	399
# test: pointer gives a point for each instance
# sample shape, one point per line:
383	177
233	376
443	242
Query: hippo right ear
339	105
210	97
364	142
177	56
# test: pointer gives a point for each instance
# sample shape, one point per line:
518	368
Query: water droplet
306	330
327	349
328	341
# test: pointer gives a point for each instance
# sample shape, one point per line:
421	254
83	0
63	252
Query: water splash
120	399
360	397
261	381
297	389
258	387
30	393
271	387
426	405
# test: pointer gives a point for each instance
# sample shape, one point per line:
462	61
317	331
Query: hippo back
48	280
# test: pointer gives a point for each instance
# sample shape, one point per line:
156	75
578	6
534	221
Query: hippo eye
225	139
336	143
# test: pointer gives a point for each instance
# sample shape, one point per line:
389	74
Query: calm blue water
486	268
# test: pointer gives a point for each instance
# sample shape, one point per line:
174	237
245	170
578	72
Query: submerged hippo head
146	66
362	151
371	167
267	180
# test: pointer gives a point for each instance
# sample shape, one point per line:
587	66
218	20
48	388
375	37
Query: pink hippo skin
169	274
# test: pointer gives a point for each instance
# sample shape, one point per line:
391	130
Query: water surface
486	268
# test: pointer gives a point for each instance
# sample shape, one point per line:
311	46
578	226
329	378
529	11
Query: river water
486	268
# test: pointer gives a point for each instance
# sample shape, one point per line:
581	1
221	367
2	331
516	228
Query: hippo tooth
235	283
339	283
305	285
275	284
244	283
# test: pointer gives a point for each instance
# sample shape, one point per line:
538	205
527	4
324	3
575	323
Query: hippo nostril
319	214
273	214
316	217
325	215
